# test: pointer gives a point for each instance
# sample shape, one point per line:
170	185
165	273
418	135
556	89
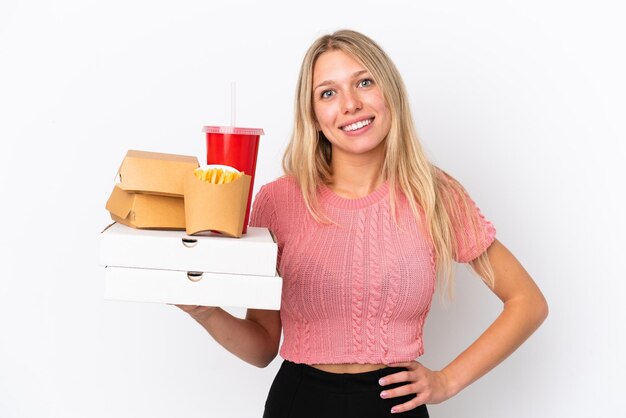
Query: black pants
301	391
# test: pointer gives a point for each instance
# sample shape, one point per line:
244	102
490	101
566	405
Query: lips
353	126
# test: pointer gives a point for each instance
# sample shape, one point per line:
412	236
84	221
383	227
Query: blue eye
326	94
366	82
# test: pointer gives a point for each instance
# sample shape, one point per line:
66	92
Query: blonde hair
431	193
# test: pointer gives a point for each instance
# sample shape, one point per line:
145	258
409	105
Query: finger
187	308
411	388
407	406
407	364
404	364
399	377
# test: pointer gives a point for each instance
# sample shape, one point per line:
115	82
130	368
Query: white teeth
357	125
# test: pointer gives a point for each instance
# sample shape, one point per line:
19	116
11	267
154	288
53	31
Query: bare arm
254	339
524	309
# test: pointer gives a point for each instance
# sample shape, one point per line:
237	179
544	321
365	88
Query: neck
356	176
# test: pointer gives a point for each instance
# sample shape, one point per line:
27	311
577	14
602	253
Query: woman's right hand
254	339
197	312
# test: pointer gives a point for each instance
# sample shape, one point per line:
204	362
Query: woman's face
349	107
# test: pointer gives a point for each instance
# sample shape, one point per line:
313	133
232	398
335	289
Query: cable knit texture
358	291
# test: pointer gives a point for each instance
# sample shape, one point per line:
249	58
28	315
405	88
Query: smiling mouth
357	125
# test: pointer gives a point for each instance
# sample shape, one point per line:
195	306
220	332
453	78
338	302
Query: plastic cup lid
232	130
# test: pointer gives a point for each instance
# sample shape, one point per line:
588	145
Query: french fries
216	175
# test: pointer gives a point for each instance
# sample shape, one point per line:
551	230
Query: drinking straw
232	103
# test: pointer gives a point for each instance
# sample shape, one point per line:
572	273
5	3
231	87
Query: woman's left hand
428	386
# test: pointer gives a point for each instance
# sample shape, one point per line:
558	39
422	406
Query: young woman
366	228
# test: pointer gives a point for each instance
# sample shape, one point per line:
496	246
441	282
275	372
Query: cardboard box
140	210
193	288
172	267
254	254
216	207
155	173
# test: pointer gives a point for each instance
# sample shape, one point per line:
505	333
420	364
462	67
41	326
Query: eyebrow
329	82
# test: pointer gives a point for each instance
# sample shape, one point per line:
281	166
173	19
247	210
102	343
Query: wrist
451	384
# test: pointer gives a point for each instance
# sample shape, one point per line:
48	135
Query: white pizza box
255	253
193	288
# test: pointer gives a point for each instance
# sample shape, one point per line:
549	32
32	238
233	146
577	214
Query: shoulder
472	231
273	199
281	184
451	191
279	189
445	181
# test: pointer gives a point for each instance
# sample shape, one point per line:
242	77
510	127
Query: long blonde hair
431	193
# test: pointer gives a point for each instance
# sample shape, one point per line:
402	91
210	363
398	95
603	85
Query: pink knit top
358	291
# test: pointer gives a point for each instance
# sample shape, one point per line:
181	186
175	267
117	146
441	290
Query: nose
351	101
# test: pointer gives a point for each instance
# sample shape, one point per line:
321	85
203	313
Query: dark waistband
337	381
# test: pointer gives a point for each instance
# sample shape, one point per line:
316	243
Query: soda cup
237	148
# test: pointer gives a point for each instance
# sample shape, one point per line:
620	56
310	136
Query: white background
524	102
